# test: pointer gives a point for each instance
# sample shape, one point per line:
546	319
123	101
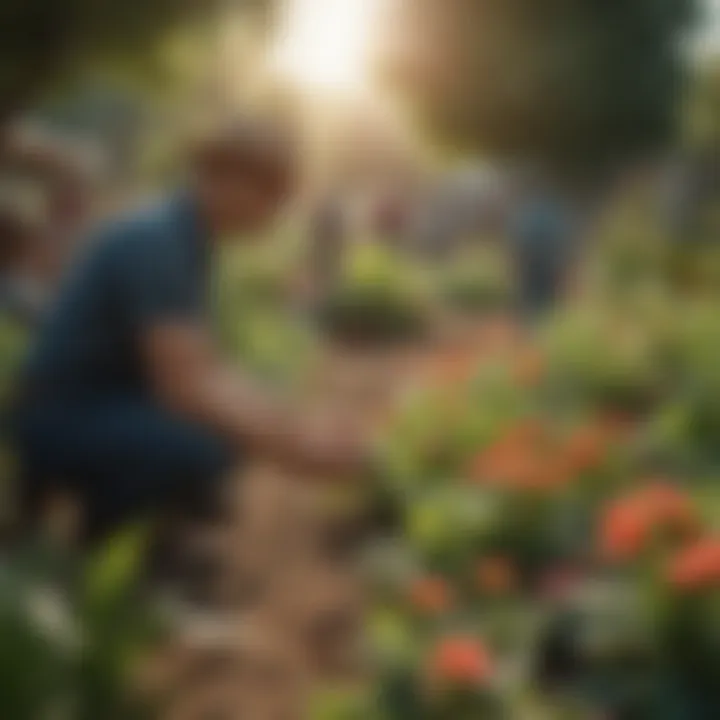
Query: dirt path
291	565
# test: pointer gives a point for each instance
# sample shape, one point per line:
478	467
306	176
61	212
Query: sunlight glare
324	44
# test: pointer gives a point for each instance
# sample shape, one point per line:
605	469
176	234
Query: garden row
556	551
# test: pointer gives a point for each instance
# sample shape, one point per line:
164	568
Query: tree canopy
568	81
43	42
703	115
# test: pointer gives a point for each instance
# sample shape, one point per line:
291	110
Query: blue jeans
125	457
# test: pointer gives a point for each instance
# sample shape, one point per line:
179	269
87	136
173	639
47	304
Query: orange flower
489	463
586	447
505	468
523	458
519	468
629	524
431	595
697	566
624	530
460	660
496	575
669	505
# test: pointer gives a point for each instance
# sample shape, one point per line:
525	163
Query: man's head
243	171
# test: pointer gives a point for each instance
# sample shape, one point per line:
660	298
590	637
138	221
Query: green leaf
115	567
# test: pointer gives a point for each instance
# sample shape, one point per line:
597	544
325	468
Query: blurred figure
328	243
73	181
391	218
465	204
46	198
126	401
22	219
541	236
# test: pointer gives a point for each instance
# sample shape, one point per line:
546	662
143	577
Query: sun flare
325	44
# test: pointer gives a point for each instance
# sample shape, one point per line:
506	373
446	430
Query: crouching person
126	402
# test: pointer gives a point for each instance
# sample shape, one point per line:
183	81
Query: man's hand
329	444
190	380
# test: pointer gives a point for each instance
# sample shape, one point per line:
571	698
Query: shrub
377	300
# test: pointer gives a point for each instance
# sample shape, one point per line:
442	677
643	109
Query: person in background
126	401
542	232
328	239
46	199
22	223
73	178
392	220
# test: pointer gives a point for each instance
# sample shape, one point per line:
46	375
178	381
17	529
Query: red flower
629	524
495	575
431	595
460	661
499	462
553	473
669	505
624	530
525	457
696	566
519	468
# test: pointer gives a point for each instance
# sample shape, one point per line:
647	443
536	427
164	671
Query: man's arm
189	379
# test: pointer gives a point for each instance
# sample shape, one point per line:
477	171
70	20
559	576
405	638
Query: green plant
74	633
478	282
604	359
379	298
13	344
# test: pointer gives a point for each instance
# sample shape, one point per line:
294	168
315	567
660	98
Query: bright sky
709	34
324	44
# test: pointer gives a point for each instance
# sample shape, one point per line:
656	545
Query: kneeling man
125	400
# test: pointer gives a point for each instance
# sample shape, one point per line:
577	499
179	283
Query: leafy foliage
478	282
46	41
568	82
72	635
378	298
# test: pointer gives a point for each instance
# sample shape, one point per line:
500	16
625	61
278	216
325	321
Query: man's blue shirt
149	267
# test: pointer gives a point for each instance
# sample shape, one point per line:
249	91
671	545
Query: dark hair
261	148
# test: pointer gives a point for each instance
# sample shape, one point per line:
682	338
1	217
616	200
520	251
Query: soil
290	577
